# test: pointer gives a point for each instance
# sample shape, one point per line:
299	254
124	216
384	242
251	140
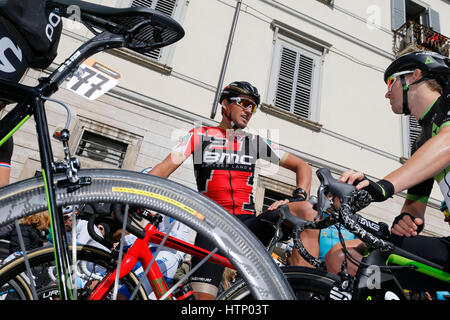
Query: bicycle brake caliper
69	165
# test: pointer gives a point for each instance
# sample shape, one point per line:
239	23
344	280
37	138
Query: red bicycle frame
140	252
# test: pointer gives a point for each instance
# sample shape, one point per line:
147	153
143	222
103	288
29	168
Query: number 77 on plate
92	79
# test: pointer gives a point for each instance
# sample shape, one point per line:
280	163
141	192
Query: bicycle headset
431	64
237	88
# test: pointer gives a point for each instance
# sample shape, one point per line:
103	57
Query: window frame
132	141
263	182
398	14
311	48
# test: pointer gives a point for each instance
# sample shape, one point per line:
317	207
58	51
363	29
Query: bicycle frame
140	252
364	281
30	103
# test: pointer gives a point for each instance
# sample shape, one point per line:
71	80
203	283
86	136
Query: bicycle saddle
144	29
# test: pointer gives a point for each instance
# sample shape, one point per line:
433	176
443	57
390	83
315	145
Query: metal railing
416	36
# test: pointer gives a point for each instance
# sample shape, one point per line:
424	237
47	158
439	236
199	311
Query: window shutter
101	148
164	6
398	14
434	21
414	131
293	92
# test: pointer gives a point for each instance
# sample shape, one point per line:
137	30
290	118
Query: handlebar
117	209
350	200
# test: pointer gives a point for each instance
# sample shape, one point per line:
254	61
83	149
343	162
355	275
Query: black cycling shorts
212	273
434	249
6	151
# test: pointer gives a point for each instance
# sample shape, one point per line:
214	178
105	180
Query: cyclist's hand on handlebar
407	227
379	191
352	177
278	203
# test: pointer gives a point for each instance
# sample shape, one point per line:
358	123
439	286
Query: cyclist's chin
241	123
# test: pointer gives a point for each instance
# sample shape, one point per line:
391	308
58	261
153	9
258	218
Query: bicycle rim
15	289
306	283
92	265
203	215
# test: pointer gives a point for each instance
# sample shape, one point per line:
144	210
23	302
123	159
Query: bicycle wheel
307	284
15	289
203	215
92	263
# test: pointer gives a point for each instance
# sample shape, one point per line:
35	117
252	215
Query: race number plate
92	79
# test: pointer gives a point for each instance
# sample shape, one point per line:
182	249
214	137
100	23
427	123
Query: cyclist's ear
225	107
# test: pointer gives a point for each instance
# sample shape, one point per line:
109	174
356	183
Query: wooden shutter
433	18
164	6
294	86
398	13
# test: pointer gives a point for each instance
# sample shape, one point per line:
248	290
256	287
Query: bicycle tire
41	261
203	215
306	283
16	289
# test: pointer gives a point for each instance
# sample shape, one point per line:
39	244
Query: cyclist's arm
303	173
166	167
302	170
178	155
426	162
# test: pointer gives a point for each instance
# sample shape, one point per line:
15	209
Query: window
295	79
414	10
100	148
414	130
295	76
269	188
294	86
100	145
270	196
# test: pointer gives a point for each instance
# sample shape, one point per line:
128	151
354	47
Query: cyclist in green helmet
418	84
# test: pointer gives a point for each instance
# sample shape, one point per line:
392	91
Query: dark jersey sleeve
421	191
6	151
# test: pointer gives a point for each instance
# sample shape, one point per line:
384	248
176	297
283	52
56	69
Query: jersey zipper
231	192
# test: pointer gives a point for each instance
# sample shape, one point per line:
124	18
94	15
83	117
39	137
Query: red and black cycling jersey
224	164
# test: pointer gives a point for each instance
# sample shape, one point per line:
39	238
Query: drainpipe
225	59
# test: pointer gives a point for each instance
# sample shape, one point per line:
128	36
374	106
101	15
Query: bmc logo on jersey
210	157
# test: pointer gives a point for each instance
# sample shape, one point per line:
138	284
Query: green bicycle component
422	268
14	130
50	213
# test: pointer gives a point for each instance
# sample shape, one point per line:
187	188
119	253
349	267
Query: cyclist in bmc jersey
424	92
224	160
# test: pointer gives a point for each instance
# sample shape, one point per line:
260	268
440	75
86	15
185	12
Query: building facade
319	67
